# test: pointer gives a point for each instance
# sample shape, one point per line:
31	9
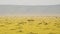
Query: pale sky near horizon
21	10
17	10
29	2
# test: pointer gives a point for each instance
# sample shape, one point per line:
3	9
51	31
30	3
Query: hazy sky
29	10
29	2
53	10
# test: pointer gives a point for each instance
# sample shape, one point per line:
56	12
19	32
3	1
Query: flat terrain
29	25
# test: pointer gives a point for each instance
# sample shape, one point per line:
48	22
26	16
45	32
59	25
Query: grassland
29	25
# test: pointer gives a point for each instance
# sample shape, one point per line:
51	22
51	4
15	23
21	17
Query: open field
30	25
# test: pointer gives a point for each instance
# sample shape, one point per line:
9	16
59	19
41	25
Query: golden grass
29	25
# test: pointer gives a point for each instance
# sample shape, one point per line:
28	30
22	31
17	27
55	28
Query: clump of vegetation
2	25
22	23
30	20
32	33
45	23
57	25
20	31
39	23
12	29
